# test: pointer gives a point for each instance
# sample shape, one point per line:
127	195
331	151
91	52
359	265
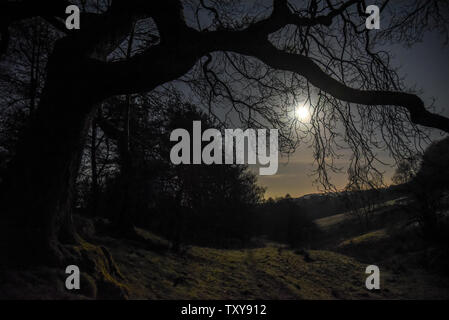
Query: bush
283	220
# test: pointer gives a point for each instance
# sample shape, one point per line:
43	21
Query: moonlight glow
302	113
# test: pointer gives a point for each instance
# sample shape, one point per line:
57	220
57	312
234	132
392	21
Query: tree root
41	275
99	268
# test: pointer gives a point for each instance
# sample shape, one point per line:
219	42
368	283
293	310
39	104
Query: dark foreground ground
335	269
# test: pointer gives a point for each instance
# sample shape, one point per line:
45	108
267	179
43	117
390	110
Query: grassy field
149	270
263	273
272	272
331	221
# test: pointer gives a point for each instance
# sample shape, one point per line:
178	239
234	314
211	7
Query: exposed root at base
100	278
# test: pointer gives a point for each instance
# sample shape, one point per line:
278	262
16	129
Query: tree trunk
38	191
94	171
124	222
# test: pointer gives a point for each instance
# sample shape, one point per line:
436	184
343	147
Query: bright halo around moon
302	113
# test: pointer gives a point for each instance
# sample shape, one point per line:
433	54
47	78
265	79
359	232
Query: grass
262	273
328	222
332	221
149	270
373	236
271	272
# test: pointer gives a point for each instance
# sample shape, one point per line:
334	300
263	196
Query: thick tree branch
305	67
162	64
156	66
181	47
171	59
283	16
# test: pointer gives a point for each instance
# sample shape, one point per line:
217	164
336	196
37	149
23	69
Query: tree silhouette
258	61
429	188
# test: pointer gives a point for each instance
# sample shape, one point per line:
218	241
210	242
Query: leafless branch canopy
259	61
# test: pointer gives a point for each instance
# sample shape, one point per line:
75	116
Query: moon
302	113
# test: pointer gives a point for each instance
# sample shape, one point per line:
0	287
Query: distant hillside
320	205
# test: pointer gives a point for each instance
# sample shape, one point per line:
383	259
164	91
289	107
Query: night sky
425	66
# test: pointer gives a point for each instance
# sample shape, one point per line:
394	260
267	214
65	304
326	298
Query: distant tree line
426	178
283	220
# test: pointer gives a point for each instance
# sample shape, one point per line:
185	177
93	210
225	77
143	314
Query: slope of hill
380	208
270	272
321	205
